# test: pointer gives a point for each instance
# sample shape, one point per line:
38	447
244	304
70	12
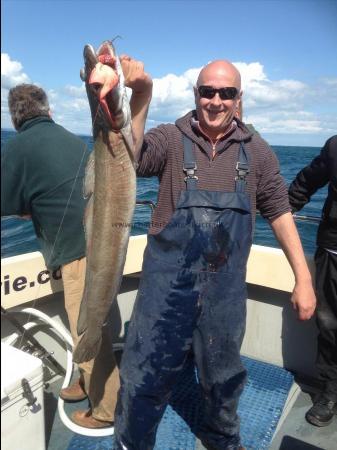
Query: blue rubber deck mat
260	409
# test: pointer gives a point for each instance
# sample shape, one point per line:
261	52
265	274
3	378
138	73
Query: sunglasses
226	93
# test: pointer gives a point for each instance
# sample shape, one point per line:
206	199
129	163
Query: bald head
217	107
221	71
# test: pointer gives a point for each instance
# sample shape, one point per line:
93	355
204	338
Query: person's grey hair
26	101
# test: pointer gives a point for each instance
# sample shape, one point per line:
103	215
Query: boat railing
149	203
307	218
301	217
297	217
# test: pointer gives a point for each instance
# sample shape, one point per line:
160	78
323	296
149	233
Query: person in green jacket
42	178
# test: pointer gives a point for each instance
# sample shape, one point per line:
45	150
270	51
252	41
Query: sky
284	49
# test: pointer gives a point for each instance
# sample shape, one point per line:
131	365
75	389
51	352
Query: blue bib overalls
192	296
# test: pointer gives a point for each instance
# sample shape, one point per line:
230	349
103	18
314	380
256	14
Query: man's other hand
304	300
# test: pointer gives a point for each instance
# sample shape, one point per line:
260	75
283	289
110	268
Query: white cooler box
22	410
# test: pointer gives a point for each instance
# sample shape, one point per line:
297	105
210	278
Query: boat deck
273	334
268	391
297	434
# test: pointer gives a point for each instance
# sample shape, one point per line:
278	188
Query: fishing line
60	226
85	150
116	37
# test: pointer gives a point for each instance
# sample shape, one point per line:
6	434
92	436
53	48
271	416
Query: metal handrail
149	203
307	218
300	217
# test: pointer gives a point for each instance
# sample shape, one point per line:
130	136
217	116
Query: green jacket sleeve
13	198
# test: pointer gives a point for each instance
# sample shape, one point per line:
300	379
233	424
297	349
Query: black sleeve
309	180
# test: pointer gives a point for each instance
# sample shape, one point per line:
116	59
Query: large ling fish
110	186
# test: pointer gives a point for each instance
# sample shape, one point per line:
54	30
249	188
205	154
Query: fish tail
87	348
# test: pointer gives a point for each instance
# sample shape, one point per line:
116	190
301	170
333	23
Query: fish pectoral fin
82	320
81	323
87	348
89	179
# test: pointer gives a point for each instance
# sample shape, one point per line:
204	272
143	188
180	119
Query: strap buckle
190	167
191	177
242	170
190	173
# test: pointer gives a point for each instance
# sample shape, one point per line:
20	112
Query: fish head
104	81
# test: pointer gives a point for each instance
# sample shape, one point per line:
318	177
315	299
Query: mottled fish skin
110	186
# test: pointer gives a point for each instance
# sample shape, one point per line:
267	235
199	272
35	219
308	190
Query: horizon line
90	136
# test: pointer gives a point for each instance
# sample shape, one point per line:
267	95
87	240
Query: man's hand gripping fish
110	185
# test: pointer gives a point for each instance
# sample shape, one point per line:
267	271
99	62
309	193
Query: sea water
18	236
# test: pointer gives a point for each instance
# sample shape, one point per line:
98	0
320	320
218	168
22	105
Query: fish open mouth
103	79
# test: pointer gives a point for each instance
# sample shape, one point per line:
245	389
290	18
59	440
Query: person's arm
141	84
13	198
303	296
309	180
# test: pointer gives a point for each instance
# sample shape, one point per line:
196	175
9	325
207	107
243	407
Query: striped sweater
162	156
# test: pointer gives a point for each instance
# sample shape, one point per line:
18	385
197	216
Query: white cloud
252	72
76	91
52	95
330	82
11	72
290	124
173	95
281	107
78	104
325	92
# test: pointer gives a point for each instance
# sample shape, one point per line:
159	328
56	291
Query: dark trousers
169	320
326	287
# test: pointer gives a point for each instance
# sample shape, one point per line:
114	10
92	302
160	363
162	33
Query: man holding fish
214	173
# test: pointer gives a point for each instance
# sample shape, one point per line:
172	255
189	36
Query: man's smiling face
215	115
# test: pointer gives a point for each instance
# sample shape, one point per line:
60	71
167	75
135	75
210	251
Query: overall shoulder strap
242	169
190	165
